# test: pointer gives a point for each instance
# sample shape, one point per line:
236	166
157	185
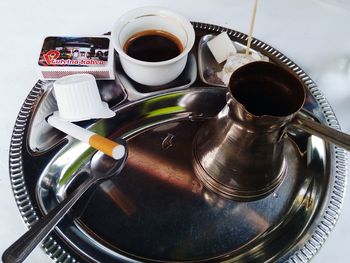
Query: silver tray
157	210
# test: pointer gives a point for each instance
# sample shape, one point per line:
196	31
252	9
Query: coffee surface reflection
267	89
261	97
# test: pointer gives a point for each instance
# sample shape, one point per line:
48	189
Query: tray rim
304	253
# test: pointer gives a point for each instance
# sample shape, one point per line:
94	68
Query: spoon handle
326	133
20	249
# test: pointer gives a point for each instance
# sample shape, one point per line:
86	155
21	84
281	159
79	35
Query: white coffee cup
152	18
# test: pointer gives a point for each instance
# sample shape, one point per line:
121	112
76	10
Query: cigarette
107	146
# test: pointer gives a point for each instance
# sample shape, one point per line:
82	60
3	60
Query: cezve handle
328	134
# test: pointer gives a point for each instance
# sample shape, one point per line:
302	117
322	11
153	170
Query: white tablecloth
313	34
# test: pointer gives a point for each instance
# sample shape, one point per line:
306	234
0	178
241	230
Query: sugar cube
221	47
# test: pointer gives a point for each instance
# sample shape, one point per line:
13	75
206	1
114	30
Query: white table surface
313	34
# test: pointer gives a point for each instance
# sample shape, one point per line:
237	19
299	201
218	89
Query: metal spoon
103	167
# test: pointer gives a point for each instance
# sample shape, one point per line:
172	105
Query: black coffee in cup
153	46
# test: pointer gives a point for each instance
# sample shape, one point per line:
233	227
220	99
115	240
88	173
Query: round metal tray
156	209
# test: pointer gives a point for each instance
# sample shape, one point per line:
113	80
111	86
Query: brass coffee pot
240	154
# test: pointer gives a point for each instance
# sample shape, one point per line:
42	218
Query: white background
312	33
